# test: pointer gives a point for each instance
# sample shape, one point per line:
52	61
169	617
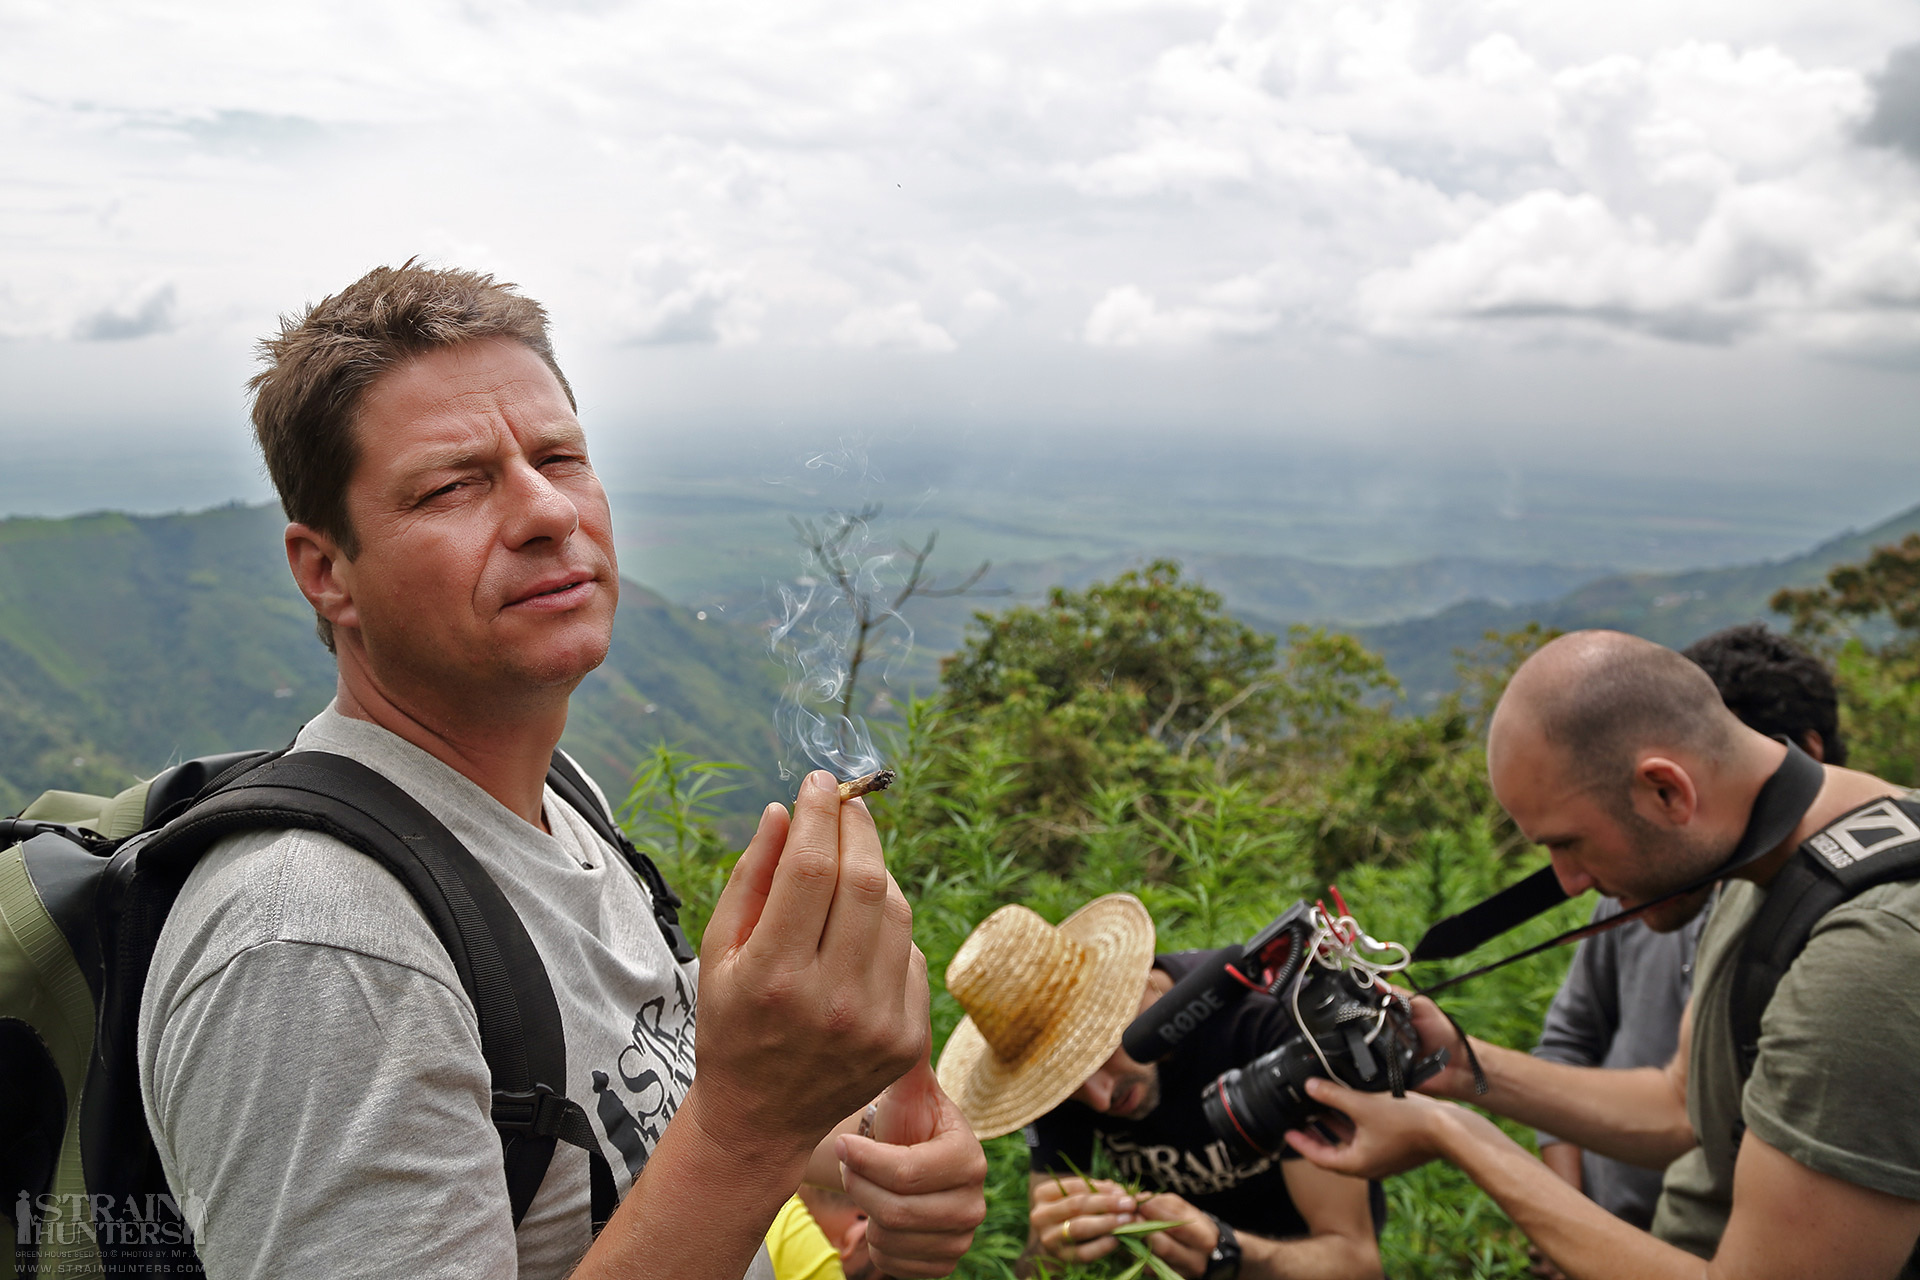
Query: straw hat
1045	1007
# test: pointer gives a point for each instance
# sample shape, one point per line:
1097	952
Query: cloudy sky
1601	227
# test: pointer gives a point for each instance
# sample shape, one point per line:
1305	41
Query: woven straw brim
999	1095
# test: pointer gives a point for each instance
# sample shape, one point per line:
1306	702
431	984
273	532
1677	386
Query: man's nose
1572	879
1097	1092
541	510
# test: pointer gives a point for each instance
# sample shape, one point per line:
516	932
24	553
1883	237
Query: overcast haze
1637	235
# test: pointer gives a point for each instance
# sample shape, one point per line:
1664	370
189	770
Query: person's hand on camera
1187	1247
1379	1135
812	996
920	1178
1436	1031
1073	1218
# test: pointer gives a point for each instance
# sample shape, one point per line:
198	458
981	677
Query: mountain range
128	642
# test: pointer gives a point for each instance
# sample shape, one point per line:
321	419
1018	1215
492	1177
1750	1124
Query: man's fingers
955	1211
1056	1190
802	889
902	1172
869	924
744	896
1317	1150
910	1256
1088	1252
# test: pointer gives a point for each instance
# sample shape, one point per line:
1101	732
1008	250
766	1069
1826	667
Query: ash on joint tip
879	780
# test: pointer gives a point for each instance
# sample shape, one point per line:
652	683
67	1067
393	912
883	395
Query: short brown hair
324	359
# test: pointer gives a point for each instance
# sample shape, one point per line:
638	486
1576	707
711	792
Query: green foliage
1866	620
1216	837
671	815
1127	696
130	642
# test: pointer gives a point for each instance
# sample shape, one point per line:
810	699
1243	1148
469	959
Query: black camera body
1352	1030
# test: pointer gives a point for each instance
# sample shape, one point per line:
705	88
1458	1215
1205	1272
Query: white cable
1341	955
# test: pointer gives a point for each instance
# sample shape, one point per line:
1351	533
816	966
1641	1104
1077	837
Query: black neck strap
1783	800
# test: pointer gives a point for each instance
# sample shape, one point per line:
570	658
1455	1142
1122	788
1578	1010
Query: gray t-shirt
312	1069
1620	1007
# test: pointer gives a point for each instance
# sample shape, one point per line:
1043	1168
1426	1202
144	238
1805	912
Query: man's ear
1666	788
324	574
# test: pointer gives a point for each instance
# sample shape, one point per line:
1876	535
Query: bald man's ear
324	574
1664	792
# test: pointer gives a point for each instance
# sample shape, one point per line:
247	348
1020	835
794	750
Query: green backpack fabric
85	886
48	1012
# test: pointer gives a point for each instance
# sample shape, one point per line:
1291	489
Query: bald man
1619	757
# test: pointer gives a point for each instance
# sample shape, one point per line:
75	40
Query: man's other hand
1437	1031
921	1179
1072	1218
813	997
1186	1247
1380	1135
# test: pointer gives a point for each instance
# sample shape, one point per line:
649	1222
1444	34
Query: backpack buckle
537	1111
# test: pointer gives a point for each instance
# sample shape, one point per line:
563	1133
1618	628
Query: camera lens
1251	1108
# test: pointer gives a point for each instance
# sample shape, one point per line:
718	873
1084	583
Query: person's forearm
823	1166
1564	1159
701	1206
1320	1257
1637	1115
1584	1240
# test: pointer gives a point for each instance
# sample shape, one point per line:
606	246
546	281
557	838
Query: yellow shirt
799	1248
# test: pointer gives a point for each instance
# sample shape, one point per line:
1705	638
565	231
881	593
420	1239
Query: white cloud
899	326
142	318
996	178
1714	195
1129	317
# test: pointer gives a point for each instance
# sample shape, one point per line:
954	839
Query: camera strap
1782	801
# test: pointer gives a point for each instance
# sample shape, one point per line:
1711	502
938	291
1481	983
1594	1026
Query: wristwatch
1224	1262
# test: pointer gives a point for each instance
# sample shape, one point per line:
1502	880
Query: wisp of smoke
816	633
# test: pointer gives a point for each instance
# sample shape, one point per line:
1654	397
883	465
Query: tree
865	593
1145	685
1866	621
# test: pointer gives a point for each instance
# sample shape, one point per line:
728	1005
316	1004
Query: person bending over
1040	1047
1621	1003
1619	756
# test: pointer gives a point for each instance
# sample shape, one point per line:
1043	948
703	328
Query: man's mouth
556	590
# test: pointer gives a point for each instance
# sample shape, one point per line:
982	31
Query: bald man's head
1599	700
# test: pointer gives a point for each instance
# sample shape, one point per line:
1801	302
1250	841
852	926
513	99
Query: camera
1347	1025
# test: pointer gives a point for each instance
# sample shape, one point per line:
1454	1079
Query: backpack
84	891
1877	843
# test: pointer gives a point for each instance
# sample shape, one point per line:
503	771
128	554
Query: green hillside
1672	608
129	642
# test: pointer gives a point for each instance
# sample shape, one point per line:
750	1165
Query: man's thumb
909	1111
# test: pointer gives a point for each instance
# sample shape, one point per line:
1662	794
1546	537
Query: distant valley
130	641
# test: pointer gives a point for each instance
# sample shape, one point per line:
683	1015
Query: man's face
1633	860
486	564
1122	1087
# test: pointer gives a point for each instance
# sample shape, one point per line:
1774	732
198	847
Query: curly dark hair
1773	685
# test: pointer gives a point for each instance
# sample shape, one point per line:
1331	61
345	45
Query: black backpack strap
498	966
571	785
1875	844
